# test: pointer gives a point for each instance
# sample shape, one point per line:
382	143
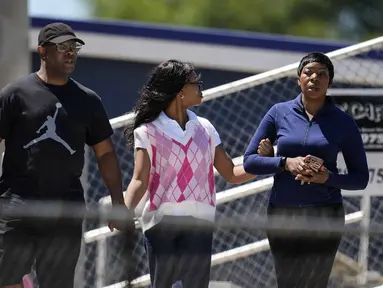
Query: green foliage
347	19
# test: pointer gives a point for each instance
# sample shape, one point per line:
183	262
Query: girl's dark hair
319	58
164	83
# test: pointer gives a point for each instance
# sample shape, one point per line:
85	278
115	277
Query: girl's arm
237	174
223	162
226	168
139	183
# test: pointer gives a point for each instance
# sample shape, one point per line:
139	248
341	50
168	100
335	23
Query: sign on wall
366	107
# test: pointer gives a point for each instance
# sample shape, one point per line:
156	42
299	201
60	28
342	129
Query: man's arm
109	169
99	134
8	111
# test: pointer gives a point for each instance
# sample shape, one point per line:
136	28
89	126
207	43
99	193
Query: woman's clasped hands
296	166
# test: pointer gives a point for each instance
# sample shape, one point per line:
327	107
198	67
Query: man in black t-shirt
46	119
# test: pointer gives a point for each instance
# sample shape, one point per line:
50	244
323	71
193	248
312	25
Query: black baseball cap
57	33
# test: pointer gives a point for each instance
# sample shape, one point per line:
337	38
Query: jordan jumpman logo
50	133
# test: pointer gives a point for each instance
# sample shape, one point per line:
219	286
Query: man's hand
126	223
314	177
122	226
265	148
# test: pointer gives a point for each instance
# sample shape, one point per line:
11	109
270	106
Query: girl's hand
265	148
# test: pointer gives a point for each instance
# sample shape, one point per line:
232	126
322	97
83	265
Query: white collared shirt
172	127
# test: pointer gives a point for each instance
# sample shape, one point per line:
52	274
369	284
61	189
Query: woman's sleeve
141	139
355	158
254	163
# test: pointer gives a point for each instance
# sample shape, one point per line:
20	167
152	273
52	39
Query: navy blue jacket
328	133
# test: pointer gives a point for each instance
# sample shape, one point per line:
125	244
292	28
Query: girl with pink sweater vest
176	152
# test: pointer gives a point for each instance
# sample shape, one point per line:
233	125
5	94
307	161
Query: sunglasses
65	47
199	83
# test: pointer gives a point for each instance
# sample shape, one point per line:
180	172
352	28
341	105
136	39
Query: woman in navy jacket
311	124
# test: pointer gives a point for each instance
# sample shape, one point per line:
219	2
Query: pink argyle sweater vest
180	172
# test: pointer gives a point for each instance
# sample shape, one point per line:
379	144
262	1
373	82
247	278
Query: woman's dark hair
319	58
164	83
